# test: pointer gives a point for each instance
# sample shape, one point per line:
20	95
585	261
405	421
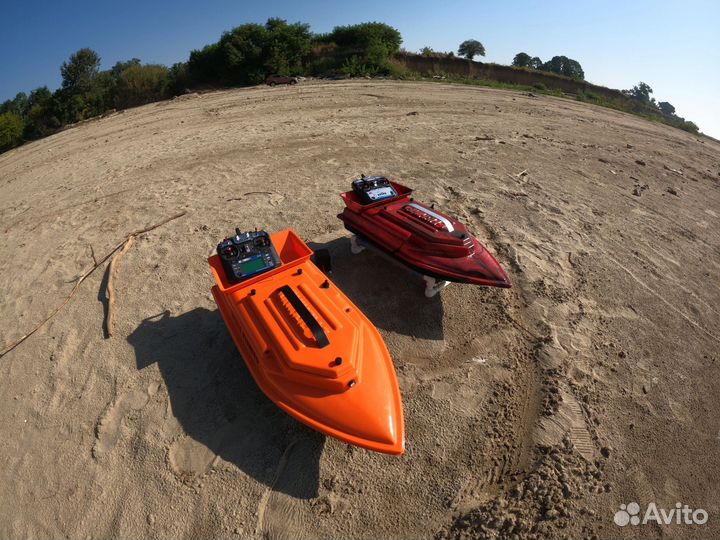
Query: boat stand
356	245
432	285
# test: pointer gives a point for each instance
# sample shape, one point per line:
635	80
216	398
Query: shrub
562	65
206	65
11	130
250	52
178	79
397	71
355	67
362	36
323	66
138	85
687	125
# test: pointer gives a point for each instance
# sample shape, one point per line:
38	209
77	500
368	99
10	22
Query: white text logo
682	514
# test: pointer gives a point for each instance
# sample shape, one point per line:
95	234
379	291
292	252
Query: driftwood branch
83	277
110	320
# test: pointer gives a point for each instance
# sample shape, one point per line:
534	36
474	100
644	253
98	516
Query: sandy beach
533	412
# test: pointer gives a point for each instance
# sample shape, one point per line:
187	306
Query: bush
397	71
85	91
355	67
178	79
42	120
562	65
539	86
138	85
323	66
362	36
42	117
11	130
19	105
687	125
206	66
250	52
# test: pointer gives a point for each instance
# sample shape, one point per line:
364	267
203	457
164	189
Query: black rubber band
306	316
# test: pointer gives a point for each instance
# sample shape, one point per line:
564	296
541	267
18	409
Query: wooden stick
110	320
83	278
151	227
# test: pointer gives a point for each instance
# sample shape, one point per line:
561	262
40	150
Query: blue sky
672	45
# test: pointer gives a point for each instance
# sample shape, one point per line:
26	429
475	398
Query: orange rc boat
308	347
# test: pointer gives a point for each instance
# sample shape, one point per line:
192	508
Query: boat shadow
217	403
390	294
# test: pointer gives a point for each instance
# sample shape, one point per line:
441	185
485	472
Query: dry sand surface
534	411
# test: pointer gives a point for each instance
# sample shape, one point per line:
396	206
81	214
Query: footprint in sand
188	457
284	509
568	420
107	429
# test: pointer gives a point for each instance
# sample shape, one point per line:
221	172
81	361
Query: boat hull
424	239
313	352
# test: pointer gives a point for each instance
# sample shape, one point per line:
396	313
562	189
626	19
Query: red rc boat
383	213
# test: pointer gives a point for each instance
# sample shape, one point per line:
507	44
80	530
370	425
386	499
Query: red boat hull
426	240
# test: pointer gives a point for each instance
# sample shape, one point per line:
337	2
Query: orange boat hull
312	351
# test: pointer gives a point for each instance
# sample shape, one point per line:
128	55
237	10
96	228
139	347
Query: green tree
242	53
470	48
362	36
428	52
573	69
525	60
206	65
178	79
84	91
562	65
39	96
119	67
376	54
11	130
18	105
140	84
521	60
250	52
666	108
101	95
366	47
535	63
640	92
80	70
286	46
42	114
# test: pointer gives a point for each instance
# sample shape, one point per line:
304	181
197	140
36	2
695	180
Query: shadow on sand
218	404
389	294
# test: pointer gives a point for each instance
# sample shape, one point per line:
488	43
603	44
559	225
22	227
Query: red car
272	80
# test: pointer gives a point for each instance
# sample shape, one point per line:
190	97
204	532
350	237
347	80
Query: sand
534	411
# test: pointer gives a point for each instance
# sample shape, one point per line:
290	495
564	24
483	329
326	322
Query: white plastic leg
433	286
355	245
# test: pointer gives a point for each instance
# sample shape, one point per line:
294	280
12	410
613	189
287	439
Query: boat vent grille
425	217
